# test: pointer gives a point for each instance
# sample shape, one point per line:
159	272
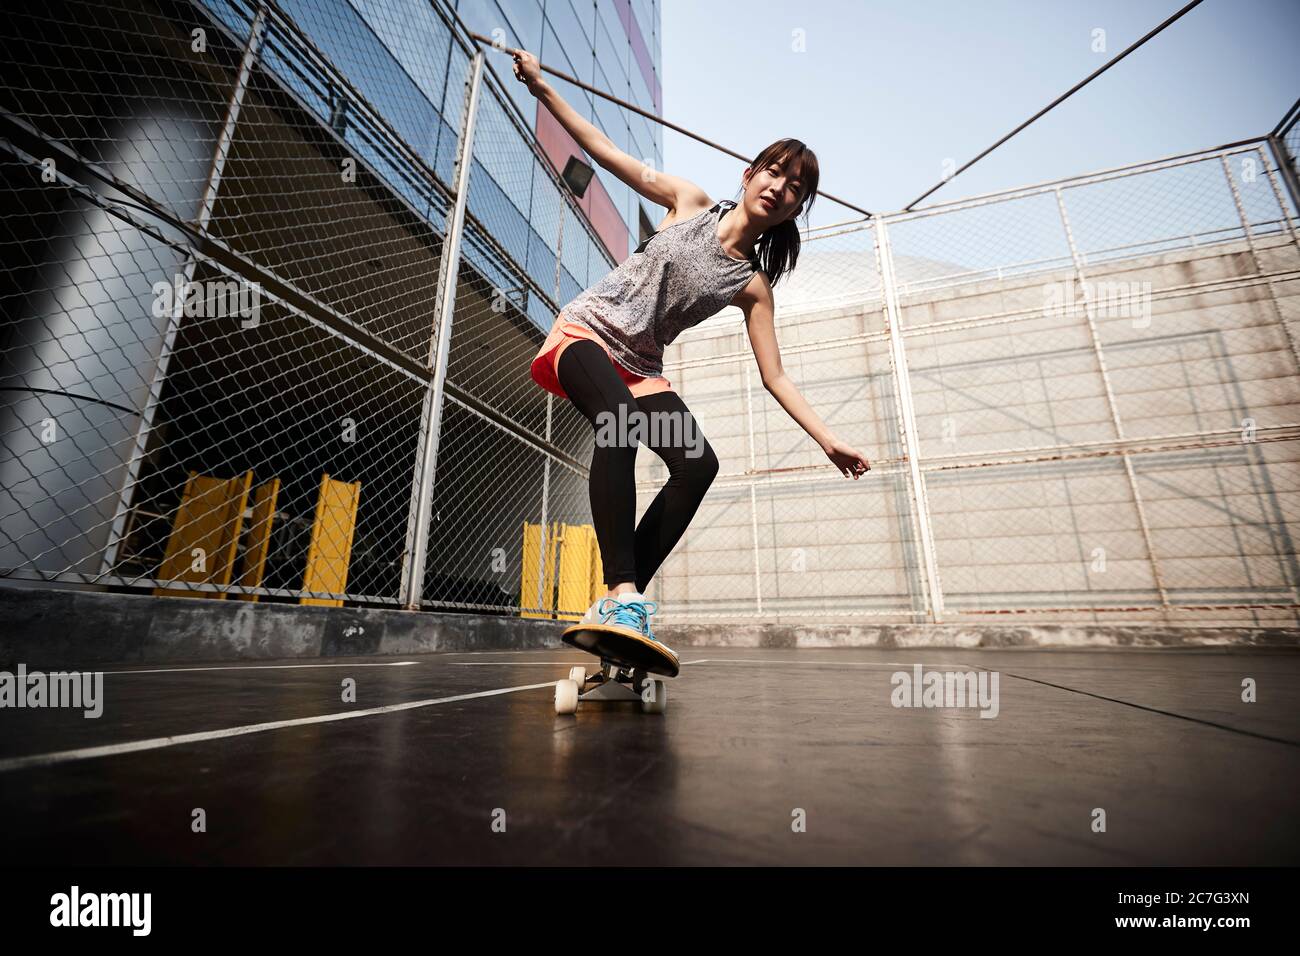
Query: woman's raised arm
663	189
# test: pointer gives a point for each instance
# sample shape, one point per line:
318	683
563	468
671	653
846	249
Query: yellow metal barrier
259	538
573	552
330	551
205	534
533	566
575	571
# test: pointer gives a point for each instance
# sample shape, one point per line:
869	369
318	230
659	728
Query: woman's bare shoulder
757	291
687	210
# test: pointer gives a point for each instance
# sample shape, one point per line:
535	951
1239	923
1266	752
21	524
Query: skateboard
626	663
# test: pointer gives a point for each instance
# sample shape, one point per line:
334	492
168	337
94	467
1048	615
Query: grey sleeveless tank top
677	278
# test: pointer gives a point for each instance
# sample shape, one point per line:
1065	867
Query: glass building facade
396	54
613	45
308	149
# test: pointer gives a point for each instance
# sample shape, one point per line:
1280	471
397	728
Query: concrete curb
56	628
47	628
975	635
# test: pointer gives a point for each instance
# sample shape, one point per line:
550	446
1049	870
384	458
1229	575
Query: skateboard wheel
578	675
657	692
566	697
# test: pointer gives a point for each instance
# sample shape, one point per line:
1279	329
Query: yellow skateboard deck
622	648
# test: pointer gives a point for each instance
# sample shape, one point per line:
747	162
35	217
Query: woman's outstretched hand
847	459
527	70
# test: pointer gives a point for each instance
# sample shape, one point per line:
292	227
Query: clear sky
885	90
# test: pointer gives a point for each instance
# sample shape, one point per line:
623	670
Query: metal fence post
417	528
1254	255
753	497
204	214
1286	163
1283	162
912	447
1110	397
550	415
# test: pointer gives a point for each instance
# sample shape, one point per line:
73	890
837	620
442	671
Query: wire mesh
227	228
1289	137
1104	384
228	273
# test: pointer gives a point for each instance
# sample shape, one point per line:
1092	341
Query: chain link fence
226	239
274	274
1084	398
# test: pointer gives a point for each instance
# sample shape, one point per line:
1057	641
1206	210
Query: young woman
605	351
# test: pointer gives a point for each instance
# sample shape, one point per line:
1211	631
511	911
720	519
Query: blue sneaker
629	617
633	614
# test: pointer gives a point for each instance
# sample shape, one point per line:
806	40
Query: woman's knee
702	468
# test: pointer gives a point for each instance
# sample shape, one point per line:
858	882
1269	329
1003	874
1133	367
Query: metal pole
1110	398
1286	164
633	108
912	448
417	528
1278	194
550	413
202	217
753	497
1254	255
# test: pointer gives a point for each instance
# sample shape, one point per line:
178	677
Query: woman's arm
756	302
671	192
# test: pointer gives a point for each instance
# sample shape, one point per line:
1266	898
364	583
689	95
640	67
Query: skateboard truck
611	683
627	661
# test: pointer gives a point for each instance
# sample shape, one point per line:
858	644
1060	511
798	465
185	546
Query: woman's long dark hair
778	248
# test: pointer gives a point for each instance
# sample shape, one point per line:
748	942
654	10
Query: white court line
154	743
778	660
258	667
518	650
831	663
718	660
513	663
532	663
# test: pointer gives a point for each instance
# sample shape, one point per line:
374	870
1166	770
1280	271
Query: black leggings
594	387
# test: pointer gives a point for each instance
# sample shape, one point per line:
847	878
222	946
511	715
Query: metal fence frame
439	392
886	295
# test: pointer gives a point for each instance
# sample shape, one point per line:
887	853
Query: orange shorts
564	333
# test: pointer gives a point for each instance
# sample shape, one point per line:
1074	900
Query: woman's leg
692	466
594	387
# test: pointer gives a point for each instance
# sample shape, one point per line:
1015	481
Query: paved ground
753	742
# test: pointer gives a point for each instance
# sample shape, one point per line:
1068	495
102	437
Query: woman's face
773	194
